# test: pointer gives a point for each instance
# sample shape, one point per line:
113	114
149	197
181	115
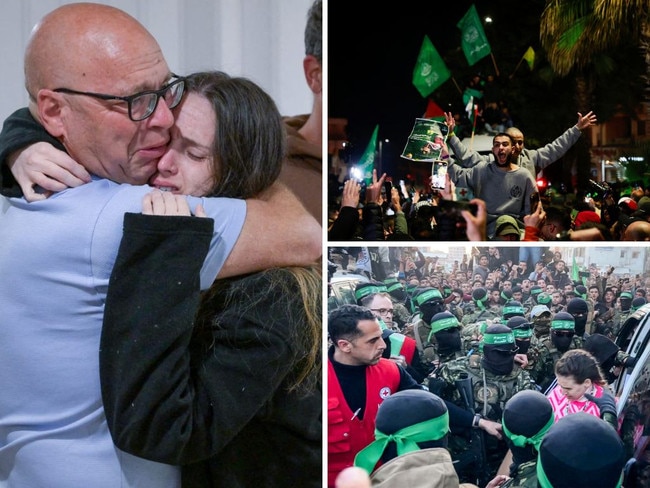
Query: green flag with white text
367	161
430	70
473	40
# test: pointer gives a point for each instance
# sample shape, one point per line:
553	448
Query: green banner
367	161
473	40
430	70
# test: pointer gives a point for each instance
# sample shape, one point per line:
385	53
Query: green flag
430	70
367	161
473	40
575	276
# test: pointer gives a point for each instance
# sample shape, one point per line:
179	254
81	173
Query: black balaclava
406	408
527	417
446	329
480	297
581	451
626	301
578	306
604	350
522	331
562	322
429	302
498	349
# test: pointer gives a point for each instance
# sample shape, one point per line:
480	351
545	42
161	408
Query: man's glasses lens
142	106
383	311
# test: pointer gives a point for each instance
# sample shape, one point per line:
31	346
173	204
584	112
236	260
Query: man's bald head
75	44
638	230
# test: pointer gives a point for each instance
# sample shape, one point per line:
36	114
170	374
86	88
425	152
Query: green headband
563	324
626	294
535	440
522	333
427	295
368	290
405	439
545	483
504	296
442	324
498	339
395	286
535	291
390	281
513	309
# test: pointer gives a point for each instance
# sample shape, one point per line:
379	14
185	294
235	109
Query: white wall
259	39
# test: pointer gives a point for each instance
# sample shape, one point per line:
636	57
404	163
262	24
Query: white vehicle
632	389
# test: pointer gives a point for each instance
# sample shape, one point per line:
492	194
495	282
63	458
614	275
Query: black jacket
214	402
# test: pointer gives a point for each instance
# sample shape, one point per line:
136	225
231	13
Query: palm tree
578	35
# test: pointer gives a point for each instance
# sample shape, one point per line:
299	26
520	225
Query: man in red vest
358	381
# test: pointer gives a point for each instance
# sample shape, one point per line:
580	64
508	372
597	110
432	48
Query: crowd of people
510	353
493	197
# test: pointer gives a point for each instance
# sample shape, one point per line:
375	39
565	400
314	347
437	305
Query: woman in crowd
577	373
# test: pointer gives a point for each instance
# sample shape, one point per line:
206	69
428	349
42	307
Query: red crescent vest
347	434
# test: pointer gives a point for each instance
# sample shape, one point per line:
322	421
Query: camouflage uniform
526	476
491	392
427	341
497	389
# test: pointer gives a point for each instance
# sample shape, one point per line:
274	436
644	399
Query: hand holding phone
438	174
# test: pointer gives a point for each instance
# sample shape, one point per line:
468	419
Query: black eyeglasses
141	105
383	311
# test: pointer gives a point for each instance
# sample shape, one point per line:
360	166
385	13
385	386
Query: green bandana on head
545	483
522	441
368	290
626	294
426	296
395	286
499	339
444	323
522	333
515	310
405	440
563	325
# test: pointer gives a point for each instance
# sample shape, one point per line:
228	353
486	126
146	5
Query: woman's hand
41	169
159	202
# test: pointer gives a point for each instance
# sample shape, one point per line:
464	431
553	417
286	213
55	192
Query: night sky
372	53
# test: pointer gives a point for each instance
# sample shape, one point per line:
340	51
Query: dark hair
249	141
313	31
342	322
580	365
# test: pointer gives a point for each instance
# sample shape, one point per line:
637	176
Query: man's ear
313	73
344	345
50	106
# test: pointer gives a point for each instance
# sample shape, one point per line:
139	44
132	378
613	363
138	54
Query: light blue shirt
56	258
